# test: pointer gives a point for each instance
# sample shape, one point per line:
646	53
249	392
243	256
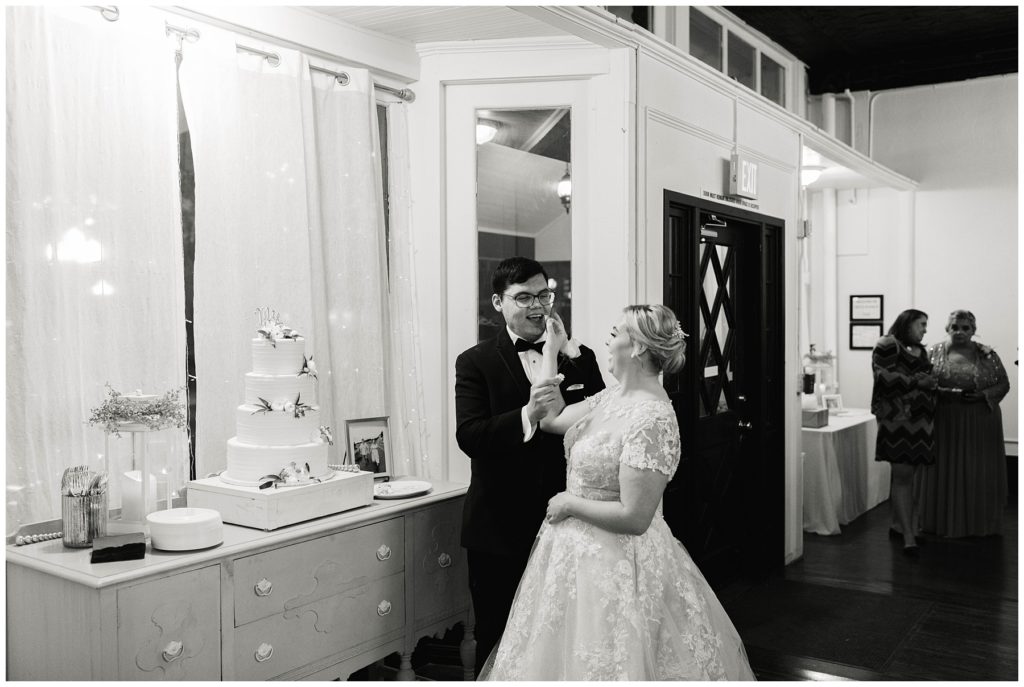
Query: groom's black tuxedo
511	481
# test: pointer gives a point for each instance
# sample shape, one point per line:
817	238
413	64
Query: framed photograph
866	308
863	337
834	403
369	444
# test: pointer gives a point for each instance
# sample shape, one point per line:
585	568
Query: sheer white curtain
288	215
251	225
406	401
347	255
94	286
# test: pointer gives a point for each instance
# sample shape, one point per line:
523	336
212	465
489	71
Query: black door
726	503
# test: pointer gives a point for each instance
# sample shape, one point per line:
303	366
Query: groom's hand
544	397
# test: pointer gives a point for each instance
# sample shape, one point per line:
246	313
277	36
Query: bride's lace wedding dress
593	605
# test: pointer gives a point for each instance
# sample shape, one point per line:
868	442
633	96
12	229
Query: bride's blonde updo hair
656	327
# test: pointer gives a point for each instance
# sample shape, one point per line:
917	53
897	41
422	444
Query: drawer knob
264	652
383	608
384	552
264	587
173	651
444	560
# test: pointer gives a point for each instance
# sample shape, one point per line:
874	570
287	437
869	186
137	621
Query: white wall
959	141
873	256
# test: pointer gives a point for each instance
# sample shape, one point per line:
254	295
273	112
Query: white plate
400	490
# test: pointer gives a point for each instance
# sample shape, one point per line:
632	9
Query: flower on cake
289	474
271	328
156	413
327	435
296	407
308	367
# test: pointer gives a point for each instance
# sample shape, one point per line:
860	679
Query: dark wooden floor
970	630
968	633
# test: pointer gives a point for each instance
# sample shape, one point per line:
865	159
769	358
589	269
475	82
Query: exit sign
742	177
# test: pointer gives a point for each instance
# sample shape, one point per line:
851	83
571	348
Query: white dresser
316	600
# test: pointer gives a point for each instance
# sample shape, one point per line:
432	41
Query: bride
609	594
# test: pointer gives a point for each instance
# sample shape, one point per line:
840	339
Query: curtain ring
110	13
342	79
273	59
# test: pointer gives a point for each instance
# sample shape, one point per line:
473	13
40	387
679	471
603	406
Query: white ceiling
517	191
421	24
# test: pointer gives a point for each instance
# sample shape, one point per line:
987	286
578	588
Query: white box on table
269	509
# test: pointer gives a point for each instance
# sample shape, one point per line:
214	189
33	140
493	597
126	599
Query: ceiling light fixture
486	130
810	173
565	189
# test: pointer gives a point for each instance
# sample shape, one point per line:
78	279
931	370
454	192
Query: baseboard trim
1011	447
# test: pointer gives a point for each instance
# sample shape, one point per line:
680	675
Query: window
520	170
705	40
188	202
639	15
772	80
710	42
382	128
741	61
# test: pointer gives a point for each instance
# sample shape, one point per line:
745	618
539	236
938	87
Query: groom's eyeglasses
525	300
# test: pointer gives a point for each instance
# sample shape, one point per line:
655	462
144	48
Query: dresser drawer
169	629
441	579
276	581
299	636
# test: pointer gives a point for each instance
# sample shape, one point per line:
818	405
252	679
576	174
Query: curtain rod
111	13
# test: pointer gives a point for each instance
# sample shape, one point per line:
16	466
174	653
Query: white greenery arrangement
118	410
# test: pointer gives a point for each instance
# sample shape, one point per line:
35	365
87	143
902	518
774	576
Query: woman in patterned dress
963	494
903	401
609	593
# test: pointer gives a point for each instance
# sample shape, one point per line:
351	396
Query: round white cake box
185	529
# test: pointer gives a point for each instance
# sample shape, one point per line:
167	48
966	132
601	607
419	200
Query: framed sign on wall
863	308
863	336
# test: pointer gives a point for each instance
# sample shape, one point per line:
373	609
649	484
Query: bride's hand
558	507
556	332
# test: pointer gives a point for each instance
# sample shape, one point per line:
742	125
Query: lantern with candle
142	451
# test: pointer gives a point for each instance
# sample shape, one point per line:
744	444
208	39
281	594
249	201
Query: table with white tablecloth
842	480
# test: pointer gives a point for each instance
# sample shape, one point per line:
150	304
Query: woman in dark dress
903	401
963	494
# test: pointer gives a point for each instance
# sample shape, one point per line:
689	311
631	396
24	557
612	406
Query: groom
515	466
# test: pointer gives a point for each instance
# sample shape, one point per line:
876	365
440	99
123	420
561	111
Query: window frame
731	26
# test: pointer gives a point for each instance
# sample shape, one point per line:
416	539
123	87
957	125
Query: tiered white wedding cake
278	430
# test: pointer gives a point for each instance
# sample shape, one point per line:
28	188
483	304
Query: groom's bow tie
524	345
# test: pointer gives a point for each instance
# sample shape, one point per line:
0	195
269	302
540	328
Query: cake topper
271	328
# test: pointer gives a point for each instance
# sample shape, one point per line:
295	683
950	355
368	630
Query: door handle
744	425
741	398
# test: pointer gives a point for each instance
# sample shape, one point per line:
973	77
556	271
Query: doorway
724	280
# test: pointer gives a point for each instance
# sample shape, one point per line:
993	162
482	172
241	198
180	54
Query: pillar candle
131	495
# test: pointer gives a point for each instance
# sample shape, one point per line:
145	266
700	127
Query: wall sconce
810	173
486	130
565	190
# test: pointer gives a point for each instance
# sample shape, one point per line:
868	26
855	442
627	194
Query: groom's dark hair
515	270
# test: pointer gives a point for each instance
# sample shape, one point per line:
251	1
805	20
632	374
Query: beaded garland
22	540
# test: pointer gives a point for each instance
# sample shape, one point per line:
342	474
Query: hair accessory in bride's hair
679	333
